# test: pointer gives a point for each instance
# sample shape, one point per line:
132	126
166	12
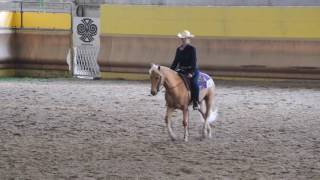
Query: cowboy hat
185	34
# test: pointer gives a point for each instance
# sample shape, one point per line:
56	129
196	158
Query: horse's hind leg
209	103
208	125
202	112
168	123
206	130
186	124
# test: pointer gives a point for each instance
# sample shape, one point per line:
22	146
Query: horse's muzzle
153	93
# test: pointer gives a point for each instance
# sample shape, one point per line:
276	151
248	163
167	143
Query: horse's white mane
154	67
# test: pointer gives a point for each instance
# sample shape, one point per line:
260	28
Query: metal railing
10	6
34	6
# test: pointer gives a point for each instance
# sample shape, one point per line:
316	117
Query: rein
159	84
165	84
175	86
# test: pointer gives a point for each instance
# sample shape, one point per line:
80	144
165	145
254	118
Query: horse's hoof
185	139
173	138
204	135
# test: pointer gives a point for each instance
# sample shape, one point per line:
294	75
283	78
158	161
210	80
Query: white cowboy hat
185	34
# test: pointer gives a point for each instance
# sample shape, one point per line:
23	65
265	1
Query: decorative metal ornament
87	30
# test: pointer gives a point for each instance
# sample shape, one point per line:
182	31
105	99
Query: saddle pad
205	81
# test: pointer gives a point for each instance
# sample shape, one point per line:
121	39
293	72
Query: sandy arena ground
72	129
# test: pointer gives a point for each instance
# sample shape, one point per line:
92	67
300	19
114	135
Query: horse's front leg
186	124
168	122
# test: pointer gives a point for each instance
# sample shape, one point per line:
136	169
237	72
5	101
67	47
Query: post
71	43
21	14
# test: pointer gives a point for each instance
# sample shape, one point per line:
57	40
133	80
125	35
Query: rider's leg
195	89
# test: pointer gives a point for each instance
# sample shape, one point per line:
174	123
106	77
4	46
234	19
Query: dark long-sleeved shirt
186	59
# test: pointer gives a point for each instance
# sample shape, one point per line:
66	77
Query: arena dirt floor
80	129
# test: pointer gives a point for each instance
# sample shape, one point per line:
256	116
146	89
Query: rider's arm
175	61
193	59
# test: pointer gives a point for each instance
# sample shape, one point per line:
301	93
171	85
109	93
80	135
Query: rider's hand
189	75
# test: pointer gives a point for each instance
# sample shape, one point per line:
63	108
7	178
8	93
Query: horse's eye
157	78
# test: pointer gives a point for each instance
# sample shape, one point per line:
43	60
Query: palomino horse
178	97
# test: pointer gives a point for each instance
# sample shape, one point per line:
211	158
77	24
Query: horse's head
156	78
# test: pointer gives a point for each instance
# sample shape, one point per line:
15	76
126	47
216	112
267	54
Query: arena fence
32	25
231	41
35	15
282	42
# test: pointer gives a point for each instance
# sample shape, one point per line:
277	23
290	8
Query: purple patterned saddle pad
205	81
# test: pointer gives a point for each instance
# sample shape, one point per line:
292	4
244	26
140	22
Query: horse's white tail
213	116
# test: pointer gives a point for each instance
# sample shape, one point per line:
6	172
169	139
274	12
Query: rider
186	61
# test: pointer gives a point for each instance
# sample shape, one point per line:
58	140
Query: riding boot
195	105
195	94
